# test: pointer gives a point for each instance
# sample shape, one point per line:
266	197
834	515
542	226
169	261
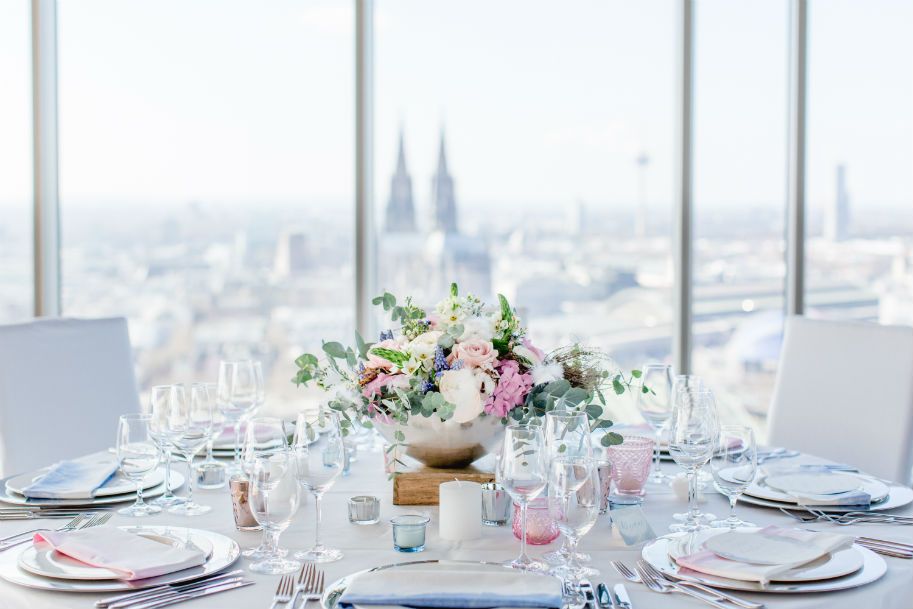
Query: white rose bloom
423	346
460	388
482	328
485	383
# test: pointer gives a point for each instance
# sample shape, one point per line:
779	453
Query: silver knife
172	600
621	596
168	588
604	598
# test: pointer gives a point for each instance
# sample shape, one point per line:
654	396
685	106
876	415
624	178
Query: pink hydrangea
511	389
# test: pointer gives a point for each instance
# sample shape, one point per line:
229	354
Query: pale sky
544	102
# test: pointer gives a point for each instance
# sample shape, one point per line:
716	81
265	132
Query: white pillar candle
460	510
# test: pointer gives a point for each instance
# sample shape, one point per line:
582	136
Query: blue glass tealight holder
409	532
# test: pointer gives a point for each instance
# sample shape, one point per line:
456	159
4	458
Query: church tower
443	201
400	217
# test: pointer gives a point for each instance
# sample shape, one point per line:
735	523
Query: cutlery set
82	521
808	515
37	513
172	594
644	573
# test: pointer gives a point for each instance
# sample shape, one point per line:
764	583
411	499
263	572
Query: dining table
367	546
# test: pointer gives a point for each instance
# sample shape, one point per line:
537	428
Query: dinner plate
225	552
42	559
117	485
7	496
832	566
873	568
759	489
898	496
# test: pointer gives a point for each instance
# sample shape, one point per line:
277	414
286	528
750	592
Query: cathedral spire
400	216
442	195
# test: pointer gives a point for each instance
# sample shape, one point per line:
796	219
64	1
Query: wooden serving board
419	486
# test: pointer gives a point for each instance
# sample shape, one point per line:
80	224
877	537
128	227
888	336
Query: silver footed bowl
447	444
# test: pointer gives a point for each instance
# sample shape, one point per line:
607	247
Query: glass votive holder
409	532
631	462
211	475
240	504
364	509
540	527
604	468
495	505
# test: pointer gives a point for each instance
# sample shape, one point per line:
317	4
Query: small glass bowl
409	532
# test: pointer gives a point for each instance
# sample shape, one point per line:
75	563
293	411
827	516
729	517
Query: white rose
460	388
423	346
482	328
485	383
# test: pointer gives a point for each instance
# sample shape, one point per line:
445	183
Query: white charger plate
117	485
225	552
42	559
876	489
898	496
6	496
657	554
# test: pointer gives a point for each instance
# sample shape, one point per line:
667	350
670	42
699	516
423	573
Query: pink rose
376	361
384	380
474	353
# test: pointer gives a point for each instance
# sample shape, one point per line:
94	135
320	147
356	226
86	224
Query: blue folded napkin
76	479
456	585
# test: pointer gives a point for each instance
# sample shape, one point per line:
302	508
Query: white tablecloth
368	546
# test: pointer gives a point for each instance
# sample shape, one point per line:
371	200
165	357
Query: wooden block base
419	485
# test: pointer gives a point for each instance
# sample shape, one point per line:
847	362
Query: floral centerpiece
442	383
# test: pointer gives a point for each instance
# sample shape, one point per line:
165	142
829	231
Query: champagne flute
137	455
319	466
189	427
274	500
573	502
734	467
522	471
240	392
263	436
695	433
654	401
160	402
211	473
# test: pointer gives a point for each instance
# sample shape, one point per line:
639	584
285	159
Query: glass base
167	501
259	553
420	548
527	564
659	478
189	509
140	511
275	565
560	557
320	555
582	572
735	523
701	517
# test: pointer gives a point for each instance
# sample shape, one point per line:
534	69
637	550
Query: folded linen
132	556
455	585
74	479
815	546
855	499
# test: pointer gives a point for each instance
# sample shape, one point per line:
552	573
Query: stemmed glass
189	427
734	467
522	471
319	465
654	401
573	502
695	432
264	436
274	501
137	455
212	473
239	393
160	401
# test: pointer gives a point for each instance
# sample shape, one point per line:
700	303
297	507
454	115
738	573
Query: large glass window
206	179
739	193
15	162
530	152
860	154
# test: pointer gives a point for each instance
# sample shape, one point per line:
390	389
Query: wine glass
654	401
567	433
522	471
274	501
189	426
573	502
319	465
137	455
734	467
263	436
695	433
239	393
160	401
211	473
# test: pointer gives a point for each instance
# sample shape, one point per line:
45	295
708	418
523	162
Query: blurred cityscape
205	280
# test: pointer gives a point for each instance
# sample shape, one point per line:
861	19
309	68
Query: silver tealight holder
364	509
496	505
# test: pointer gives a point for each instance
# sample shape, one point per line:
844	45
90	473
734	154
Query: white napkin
133	556
76	479
706	561
458	586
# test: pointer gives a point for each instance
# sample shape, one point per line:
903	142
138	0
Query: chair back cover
63	383
844	391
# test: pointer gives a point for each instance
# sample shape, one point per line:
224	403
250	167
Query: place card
632	524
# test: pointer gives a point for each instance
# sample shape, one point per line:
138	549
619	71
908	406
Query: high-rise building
837	223
443	201
400	216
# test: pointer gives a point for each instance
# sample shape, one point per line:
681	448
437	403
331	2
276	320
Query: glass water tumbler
541	528
409	532
631	462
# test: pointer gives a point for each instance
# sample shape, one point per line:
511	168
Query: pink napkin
132	556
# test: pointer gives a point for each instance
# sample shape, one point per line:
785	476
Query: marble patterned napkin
76	479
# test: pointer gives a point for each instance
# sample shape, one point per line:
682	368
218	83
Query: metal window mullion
682	239
46	203
365	258
795	171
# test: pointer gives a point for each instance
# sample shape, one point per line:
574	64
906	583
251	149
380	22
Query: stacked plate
846	567
223	447
116	490
40	566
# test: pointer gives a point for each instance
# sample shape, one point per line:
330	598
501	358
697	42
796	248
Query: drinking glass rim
136	416
417	520
637	442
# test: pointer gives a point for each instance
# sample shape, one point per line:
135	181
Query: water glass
210	473
409	532
654	401
137	456
540	526
695	432
631	464
160	404
239	393
734	467
263	437
274	501
189	427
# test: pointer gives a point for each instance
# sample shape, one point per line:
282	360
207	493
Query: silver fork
709	590
67	527
305	576
666	587
313	589
284	591
94	521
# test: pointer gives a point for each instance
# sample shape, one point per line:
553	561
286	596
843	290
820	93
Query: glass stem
733	519
189	478
657	472
238	444
209	444
168	494
317	498
139	494
692	495
270	541
523	556
572	564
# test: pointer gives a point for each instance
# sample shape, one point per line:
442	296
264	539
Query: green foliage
391	355
334	350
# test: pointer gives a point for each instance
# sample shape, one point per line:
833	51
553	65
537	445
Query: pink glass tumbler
540	527
631	462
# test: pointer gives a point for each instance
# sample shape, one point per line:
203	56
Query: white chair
844	392
63	383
